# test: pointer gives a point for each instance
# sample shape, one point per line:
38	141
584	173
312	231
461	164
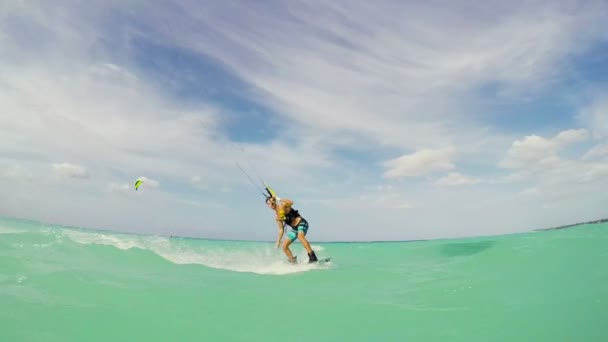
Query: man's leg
304	241
302	230
312	257
290	238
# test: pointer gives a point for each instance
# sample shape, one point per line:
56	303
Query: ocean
72	284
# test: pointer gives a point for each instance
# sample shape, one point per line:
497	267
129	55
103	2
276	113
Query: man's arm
281	231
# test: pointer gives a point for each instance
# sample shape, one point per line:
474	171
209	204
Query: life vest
290	216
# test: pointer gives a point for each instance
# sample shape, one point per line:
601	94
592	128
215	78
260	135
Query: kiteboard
323	260
319	261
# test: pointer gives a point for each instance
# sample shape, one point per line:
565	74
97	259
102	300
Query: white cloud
14	172
119	188
537	152
597	152
530	191
113	73
403	205
380	187
420	163
536	159
70	171
531	150
571	136
365	202
595	172
340	77
455	178
595	115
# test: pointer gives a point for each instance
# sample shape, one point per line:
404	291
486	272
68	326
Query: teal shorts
302	227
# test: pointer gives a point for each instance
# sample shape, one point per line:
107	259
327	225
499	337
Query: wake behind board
323	260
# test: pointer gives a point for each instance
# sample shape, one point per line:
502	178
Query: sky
389	120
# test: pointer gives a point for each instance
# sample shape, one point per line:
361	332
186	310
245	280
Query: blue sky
384	121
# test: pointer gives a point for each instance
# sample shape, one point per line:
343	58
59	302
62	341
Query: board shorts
302	227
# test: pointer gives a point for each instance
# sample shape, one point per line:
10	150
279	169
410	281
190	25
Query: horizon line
171	236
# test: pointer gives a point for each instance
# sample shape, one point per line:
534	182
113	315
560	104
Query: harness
290	216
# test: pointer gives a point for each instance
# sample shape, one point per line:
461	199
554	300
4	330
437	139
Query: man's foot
312	257
293	260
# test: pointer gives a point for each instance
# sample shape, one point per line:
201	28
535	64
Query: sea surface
73	284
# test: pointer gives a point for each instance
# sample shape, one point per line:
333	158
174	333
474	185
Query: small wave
317	248
261	260
11	230
119	242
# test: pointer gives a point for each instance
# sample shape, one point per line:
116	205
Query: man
285	214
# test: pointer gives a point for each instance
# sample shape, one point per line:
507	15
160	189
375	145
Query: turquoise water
67	284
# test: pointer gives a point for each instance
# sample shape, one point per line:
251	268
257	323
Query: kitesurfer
286	215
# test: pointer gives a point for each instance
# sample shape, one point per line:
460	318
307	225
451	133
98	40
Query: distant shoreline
573	225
